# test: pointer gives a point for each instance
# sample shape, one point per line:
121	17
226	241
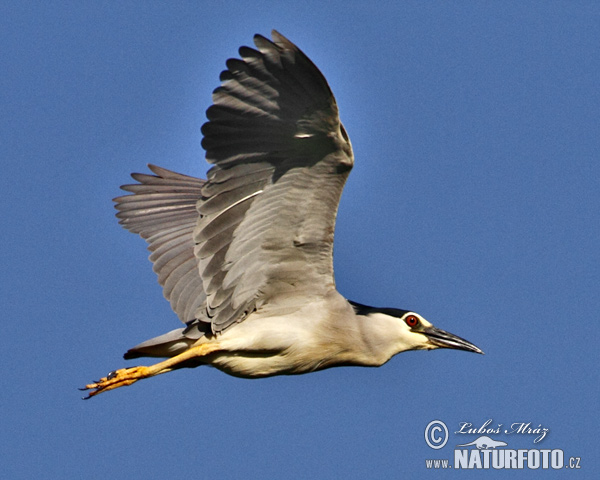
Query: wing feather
260	229
162	210
281	158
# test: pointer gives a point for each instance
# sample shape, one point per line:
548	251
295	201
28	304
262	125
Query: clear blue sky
475	200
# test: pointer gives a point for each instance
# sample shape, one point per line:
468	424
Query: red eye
411	321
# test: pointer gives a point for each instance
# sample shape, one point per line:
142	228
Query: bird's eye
411	321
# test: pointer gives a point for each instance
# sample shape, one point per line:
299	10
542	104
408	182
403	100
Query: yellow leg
127	376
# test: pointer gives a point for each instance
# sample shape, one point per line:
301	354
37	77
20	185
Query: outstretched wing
281	158
162	210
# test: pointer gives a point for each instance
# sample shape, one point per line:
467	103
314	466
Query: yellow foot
116	379
127	376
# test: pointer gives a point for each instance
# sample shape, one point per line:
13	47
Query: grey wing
162	210
281	158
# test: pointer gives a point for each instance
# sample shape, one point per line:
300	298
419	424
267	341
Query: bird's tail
171	343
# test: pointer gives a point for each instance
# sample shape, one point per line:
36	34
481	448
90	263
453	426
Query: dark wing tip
279	39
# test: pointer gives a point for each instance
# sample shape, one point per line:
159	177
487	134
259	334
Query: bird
245	257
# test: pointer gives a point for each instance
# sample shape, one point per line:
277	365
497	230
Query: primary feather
260	228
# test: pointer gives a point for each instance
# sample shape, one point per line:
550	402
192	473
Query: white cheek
413	341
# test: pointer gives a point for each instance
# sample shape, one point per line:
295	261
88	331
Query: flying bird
245	257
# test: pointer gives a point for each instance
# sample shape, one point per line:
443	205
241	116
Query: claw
126	376
116	379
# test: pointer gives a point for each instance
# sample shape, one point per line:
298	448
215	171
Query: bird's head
403	330
419	334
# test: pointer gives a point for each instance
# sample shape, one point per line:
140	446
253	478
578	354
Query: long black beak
443	339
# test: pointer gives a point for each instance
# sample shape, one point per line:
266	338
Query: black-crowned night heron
246	256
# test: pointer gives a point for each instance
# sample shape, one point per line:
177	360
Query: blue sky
475	200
